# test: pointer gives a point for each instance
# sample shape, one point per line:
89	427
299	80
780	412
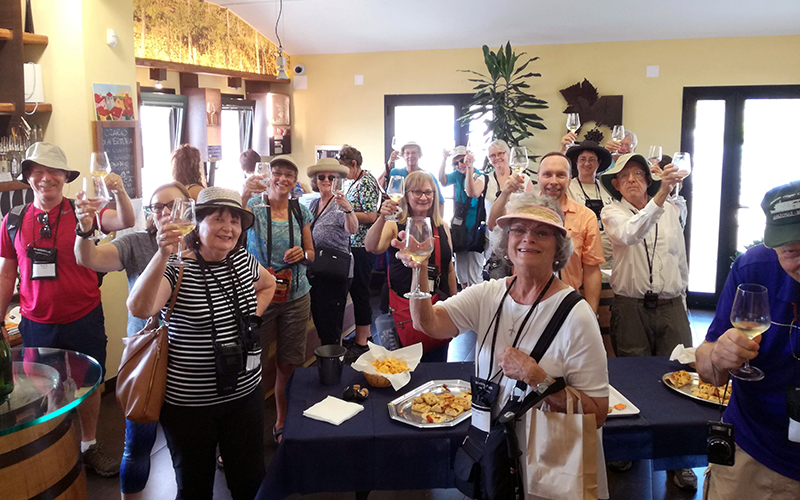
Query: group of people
246	276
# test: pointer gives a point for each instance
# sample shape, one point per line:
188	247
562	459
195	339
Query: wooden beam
32	39
204	70
188	81
6	34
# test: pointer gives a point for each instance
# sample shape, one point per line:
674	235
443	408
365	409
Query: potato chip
390	366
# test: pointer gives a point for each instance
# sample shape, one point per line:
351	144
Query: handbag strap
174	297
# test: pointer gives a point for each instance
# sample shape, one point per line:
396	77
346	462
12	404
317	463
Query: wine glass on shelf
263	168
618	133
750	315
573	123
419	246
519	159
183	216
654	156
395	191
96	192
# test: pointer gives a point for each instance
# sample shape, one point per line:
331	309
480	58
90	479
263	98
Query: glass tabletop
47	383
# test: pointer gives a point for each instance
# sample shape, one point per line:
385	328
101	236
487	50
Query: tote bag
562	453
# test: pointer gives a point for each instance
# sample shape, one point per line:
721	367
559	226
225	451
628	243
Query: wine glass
419	246
573	124
263	168
183	216
618	133
99	166
519	159
750	315
336	185
396	190
654	155
95	191
395	144
684	163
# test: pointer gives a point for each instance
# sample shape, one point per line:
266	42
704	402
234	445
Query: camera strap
232	302
650	261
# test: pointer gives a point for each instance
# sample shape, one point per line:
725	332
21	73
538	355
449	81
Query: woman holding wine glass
763	411
418	211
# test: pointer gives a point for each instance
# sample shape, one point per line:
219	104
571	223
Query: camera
229	360
650	300
720	445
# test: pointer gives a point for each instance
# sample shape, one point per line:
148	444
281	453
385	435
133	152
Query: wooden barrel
42	462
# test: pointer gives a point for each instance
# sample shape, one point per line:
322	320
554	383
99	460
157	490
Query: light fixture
280	60
159	75
234	82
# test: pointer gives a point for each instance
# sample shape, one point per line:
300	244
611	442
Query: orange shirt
581	224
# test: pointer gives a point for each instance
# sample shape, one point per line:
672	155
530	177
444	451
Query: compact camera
229	359
720	445
650	300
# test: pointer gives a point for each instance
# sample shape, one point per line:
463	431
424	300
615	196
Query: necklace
511	330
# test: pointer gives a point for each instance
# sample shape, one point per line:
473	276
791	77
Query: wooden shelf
32	39
7	107
6	34
43	107
13	186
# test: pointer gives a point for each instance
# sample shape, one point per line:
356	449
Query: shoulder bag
142	375
328	263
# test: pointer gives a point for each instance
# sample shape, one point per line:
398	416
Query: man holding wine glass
39	239
411	153
767	456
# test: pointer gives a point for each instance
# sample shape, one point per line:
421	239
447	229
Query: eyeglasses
321	177
537	232
587	160
499	154
638	174
428	193
288	175
44	220
158	208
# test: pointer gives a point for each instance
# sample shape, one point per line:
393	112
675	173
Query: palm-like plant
503	94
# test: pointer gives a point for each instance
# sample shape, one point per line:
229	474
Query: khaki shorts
747	479
287	323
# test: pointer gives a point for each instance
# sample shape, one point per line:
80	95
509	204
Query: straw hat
327	165
534	213
214	198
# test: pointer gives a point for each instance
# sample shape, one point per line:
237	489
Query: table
39	447
373	452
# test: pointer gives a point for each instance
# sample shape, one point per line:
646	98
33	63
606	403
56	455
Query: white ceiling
344	26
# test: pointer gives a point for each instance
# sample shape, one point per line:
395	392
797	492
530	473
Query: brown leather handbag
142	375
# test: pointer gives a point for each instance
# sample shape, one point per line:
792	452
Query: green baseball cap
781	205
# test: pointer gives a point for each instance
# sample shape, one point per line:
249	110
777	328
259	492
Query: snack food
390	366
712	393
679	379
437	408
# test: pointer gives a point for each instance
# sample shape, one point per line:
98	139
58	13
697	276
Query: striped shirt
191	371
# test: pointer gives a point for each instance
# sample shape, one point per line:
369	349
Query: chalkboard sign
122	142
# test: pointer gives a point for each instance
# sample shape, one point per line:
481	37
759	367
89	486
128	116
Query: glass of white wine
573	123
750	315
395	191
654	155
419	246
184	217
519	159
263	168
95	191
618	133
684	163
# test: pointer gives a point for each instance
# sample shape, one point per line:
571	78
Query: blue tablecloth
373	452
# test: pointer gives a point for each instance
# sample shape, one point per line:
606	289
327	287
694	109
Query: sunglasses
457	162
321	177
44	220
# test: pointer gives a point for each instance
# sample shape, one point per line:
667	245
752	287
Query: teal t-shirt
458	180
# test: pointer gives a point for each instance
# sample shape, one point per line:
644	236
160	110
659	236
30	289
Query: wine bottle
6	370
28	17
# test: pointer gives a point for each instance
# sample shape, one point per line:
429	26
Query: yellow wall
334	111
76	57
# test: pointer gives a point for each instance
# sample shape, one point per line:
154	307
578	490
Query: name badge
481	419
43	263
253	361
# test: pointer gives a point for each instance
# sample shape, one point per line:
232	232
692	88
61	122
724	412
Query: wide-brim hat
411	143
327	165
214	198
47	155
285	159
534	213
781	205
603	155
653	184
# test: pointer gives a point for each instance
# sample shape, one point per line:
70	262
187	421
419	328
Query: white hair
500	144
634	139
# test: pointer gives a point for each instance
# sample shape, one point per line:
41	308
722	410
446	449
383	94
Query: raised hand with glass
750	315
395	191
419	246
263	169
183	217
519	159
94	191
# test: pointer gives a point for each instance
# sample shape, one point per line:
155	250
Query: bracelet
348	211
83	235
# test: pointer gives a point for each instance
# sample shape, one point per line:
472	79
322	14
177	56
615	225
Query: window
237	134
163	117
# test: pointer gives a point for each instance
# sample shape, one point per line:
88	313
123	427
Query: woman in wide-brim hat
334	222
222	287
532	236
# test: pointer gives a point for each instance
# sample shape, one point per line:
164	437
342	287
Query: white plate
615	397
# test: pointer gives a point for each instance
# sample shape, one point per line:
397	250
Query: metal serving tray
686	390
400	408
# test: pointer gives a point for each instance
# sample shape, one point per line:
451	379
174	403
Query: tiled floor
639	483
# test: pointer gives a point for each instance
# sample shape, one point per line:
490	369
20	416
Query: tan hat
283	159
534	213
214	198
47	155
459	151
327	165
411	143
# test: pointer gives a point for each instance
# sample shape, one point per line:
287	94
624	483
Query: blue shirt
458	180
757	410
257	244
403	172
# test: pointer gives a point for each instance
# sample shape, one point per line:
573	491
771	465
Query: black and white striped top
191	373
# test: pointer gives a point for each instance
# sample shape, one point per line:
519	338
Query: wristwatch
542	386
305	255
83	235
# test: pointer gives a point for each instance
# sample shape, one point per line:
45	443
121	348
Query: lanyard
232	302
269	232
596	188
496	321
318	214
354	183
650	261
54	229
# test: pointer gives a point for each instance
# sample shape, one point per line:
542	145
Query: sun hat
781	205
284	159
653	184
411	143
603	155
535	213
327	165
47	155
214	198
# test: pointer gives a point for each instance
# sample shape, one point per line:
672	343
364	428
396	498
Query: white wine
750	329
185	227
101	173
573	129
396	197
518	169
418	256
